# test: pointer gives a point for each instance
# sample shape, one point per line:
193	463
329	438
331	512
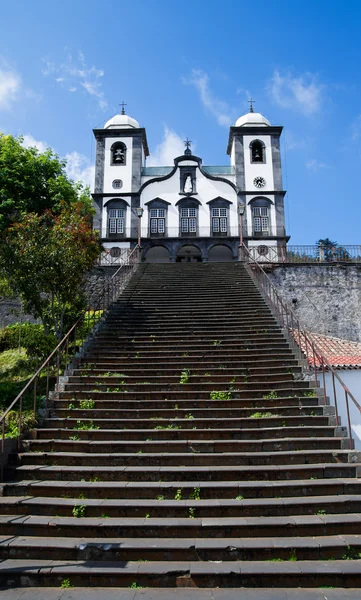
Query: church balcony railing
131	233
305	254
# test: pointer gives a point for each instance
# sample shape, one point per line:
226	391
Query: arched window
261	217
188	217
116	218
258	151
118	154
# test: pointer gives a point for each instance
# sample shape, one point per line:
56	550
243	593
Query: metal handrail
107	295
296	331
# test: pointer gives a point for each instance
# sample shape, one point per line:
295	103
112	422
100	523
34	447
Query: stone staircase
185	455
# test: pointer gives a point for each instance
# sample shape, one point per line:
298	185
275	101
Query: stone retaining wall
326	298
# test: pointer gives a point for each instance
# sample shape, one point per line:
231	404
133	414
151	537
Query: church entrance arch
189	253
220	253
157	254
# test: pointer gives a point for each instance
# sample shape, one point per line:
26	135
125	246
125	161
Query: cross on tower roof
122	104
187	143
251	102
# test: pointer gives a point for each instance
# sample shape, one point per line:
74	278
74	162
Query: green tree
330	251
45	259
31	181
326	248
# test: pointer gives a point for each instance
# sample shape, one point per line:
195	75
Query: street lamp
241	209
140	212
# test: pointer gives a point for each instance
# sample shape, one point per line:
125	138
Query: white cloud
10	85
219	109
75	74
315	165
293	142
302	93
356	129
80	168
171	146
30	142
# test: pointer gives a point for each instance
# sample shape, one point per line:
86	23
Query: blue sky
188	69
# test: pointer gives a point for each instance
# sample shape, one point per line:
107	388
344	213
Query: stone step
181	459
202	423
150	527
184	446
213	473
182	509
144	436
236	403
183	489
231	574
279	549
180	593
199	389
143	393
175	370
205	380
185	360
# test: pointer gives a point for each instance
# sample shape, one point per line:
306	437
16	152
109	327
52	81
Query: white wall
253	170
352	379
123	172
207	190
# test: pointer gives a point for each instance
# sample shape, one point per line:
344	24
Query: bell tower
121	149
254	149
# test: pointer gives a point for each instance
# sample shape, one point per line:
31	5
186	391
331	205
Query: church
189	211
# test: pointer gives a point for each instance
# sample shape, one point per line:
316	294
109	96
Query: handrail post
335	395
20	422
349	420
2	449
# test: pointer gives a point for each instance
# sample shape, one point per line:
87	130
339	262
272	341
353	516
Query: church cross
187	143
251	102
122	104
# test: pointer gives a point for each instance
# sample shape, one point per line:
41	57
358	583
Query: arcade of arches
190	253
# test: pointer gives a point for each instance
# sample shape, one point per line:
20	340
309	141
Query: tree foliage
47	244
31	181
330	251
45	259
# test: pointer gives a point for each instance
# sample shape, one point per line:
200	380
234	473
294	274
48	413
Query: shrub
29	336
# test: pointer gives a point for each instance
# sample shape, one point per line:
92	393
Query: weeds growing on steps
81	426
220	395
262	415
79	511
185	374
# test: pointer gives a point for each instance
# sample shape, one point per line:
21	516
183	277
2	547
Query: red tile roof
341	354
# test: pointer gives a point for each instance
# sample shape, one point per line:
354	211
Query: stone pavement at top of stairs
179	594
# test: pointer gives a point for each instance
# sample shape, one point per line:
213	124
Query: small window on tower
258	152
117	184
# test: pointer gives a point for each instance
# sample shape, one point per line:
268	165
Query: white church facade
188	211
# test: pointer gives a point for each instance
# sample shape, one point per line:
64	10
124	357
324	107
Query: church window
116	220
118	154
260	219
117	184
258	152
188	220
219	220
157	220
